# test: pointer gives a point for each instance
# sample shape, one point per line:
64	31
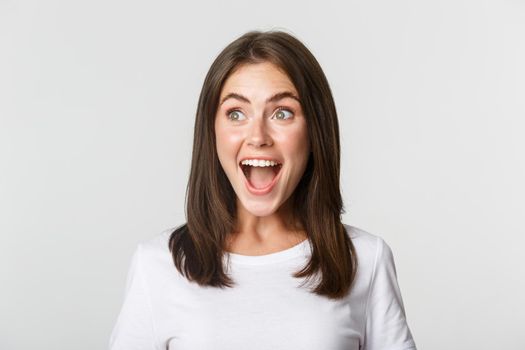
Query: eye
235	115
281	113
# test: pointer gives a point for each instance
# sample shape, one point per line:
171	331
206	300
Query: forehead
257	77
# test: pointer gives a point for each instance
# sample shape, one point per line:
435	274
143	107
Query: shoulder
158	244
154	256
377	289
365	241
371	249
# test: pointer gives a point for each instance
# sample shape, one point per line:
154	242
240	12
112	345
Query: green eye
282	114
235	115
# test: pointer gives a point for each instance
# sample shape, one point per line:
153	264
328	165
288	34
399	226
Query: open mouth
260	175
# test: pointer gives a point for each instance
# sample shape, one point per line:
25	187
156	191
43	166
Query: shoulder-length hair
198	246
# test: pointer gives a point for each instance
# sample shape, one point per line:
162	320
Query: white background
97	105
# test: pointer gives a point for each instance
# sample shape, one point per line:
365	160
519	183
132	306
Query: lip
265	190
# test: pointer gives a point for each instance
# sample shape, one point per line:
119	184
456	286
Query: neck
278	226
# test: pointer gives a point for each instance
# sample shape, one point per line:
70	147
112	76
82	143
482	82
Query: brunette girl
264	261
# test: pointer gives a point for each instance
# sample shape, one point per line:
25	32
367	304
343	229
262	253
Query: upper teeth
259	162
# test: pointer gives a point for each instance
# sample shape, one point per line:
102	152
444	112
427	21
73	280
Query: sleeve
134	329
386	326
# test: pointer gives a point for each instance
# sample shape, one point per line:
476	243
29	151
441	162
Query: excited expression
261	136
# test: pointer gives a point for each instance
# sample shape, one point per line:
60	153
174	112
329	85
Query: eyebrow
278	96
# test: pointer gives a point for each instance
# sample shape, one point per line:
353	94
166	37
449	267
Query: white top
266	309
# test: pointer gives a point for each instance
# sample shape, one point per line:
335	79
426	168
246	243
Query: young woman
264	261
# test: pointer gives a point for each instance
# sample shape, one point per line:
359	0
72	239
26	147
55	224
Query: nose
258	135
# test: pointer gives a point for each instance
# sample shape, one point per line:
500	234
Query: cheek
303	138
295	141
227	139
228	142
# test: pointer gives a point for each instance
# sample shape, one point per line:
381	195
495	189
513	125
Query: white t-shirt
266	309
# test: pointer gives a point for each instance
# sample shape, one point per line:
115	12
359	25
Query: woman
264	261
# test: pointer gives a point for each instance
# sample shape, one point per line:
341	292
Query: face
261	136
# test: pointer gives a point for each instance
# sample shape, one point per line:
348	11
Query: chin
264	208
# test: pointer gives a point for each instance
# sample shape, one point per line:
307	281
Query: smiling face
261	137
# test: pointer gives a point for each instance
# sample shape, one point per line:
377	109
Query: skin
257	128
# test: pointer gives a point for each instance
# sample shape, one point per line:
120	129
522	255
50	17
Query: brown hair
198	245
